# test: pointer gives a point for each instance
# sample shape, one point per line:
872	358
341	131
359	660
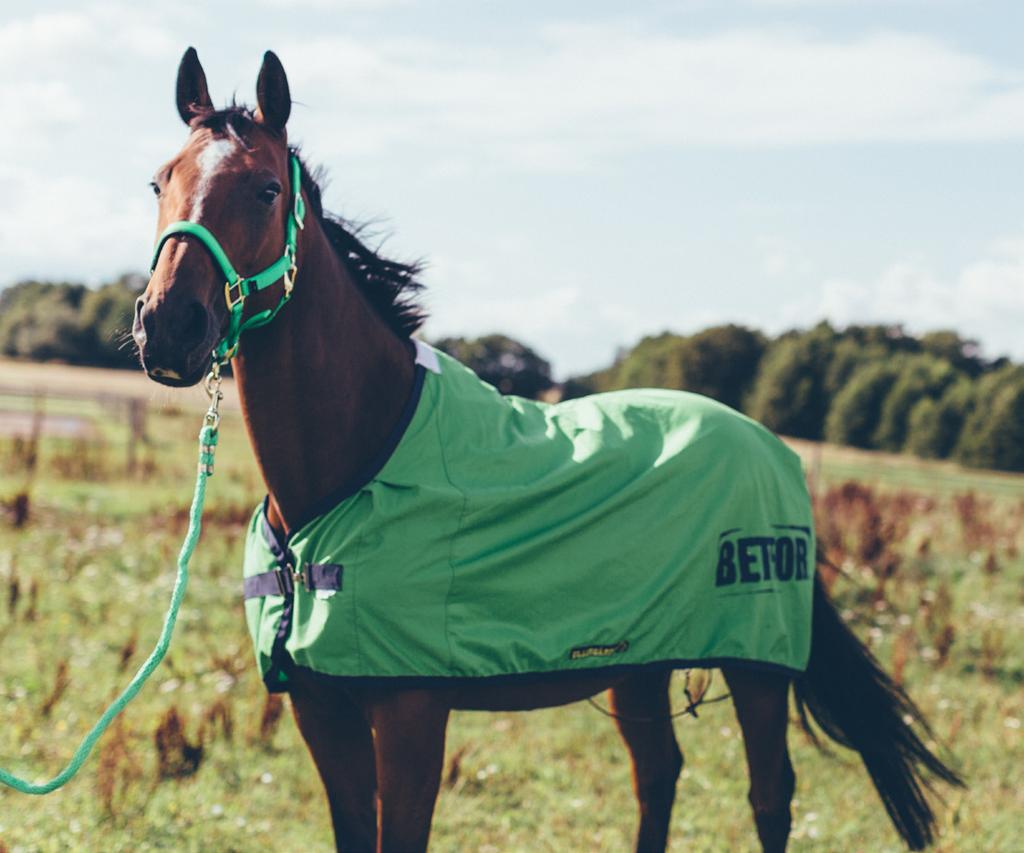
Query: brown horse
321	387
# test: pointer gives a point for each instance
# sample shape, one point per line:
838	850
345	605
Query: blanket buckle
285	584
288	578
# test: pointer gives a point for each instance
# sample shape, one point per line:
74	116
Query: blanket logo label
758	559
598	651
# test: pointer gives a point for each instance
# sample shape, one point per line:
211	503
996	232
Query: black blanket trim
526	678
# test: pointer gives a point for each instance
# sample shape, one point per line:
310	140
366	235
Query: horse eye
155	187
270	192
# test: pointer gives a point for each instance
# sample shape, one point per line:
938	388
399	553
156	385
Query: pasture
933	560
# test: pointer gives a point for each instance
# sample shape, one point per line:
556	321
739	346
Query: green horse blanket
496	536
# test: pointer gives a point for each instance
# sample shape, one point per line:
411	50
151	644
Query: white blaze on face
209	160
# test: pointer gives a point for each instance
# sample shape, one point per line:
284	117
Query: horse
321	387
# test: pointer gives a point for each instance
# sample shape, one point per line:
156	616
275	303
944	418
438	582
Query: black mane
391	287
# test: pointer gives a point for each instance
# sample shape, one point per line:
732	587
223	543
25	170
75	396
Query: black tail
860	707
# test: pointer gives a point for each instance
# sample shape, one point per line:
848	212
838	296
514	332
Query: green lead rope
207	448
236	289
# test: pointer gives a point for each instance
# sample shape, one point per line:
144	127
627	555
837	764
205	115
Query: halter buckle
232	300
289	276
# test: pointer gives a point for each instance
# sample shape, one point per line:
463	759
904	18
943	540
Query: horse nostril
142	325
194	324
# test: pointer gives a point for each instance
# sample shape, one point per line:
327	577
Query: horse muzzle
175	339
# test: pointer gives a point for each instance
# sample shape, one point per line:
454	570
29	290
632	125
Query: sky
576	174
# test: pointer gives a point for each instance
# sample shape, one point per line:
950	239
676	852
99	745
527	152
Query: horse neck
321	387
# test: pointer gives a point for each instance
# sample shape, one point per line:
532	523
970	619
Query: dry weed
177	757
273	710
127	652
217	716
61	682
117	769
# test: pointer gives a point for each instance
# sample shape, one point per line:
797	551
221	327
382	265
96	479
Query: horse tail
857	705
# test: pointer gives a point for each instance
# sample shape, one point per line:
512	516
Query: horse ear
272	94
193	96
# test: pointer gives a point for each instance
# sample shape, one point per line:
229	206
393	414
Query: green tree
719	362
934	426
39	320
993	434
106	321
919	376
653	363
848	356
963	353
507	364
856	410
60	321
789	395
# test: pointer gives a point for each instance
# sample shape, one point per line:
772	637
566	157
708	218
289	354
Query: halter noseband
237	287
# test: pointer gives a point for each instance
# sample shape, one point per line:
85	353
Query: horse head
230	186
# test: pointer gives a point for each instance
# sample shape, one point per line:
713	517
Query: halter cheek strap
238	287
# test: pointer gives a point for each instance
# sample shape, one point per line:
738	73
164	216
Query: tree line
874	386
69	322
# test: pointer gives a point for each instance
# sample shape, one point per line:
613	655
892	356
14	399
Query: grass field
203	761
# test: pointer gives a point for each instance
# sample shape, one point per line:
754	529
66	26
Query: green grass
101	546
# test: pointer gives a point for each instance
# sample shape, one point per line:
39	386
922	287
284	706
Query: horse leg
762	708
341	743
409	730
644	717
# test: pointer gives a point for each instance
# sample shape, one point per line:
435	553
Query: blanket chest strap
283	582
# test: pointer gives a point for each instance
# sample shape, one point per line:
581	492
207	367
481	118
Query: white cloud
984	299
334	5
584	92
807	4
70	225
780	258
89	113
564	320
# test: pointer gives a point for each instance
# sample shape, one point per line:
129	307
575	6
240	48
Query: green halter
237	287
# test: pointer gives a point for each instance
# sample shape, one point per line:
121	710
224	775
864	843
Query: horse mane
391	287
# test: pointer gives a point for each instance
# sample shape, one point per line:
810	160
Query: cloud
984	299
334	5
564	320
780	258
828	4
579	93
89	112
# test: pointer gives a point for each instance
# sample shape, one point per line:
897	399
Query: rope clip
212	386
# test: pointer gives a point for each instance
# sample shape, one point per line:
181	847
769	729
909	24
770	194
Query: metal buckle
228	287
285	584
289	276
289	578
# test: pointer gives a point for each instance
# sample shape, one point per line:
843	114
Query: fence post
137	428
